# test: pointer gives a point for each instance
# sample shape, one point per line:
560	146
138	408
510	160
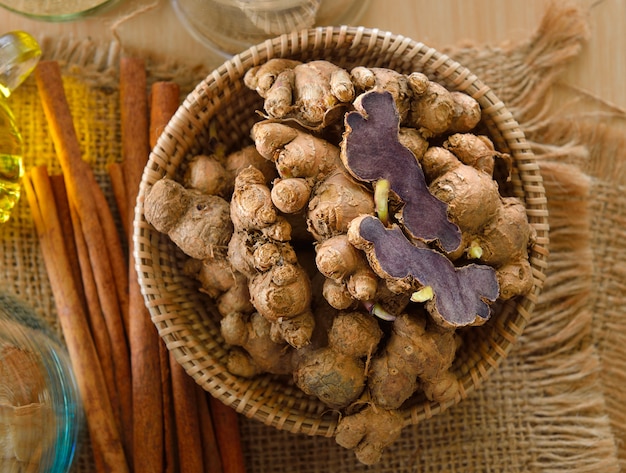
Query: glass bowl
55	10
40	411
230	26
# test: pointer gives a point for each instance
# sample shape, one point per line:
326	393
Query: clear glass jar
40	411
231	26
55	10
19	54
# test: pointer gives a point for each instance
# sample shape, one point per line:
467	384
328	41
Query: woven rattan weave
186	319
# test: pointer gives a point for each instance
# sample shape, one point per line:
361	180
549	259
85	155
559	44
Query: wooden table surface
153	26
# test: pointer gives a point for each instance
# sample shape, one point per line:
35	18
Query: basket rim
397	49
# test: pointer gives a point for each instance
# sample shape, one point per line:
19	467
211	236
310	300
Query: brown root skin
466	113
515	279
240	253
282	292
227	287
337	294
251	205
336	201
291	195
206	174
240	363
301	159
279	99
320	87
296	331
371	151
278	286
251	252
248	156
294	152
508	234
198	224
309	93
381	79
432	110
414	356
414	141
261	78
355	334
461	295
166	202
504	243
436	161
472	196
474	150
236	298
252	333
334	378
336	373
369	432
341	262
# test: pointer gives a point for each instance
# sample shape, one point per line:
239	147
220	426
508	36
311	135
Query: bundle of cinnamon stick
143	412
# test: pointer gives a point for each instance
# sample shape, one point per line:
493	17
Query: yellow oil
19	54
10	178
10	161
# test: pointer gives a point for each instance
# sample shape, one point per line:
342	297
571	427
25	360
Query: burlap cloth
556	403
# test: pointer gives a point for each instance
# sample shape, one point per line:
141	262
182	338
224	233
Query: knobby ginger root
421	103
215	173
260	353
206	173
381	79
279	287
312	179
222	283
369	432
311	93
197	223
343	264
301	160
337	200
414	356
336	373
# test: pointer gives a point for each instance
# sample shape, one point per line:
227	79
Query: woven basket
186	319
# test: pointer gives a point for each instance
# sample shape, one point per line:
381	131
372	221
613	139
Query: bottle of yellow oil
19	54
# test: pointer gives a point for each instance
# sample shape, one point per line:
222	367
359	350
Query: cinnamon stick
226	425
116	175
96	223
84	279
97	323
86	286
105	437
210	449
143	337
65	219
190	458
164	100
170	456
